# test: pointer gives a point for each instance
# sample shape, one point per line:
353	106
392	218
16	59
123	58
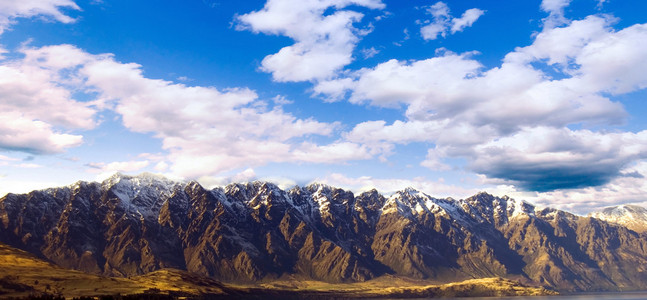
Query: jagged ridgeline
128	226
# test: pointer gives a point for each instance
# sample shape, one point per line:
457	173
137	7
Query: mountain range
256	232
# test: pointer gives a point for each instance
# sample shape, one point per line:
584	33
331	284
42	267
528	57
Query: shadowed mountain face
128	226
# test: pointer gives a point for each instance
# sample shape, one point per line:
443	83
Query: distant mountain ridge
131	225
631	216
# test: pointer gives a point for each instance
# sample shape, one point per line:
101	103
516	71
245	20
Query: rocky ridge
132	225
631	216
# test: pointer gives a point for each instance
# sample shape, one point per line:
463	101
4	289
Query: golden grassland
394	286
23	274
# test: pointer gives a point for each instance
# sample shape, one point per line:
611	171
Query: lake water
597	296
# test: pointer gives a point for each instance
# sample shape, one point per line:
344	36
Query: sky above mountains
540	100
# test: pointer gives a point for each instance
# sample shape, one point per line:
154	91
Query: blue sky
539	100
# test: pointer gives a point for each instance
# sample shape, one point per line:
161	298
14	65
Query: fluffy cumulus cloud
37	110
205	130
324	43
39	89
512	122
443	23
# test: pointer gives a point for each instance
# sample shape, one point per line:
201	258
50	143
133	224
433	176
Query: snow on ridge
632	216
519	208
411	201
321	197
143	194
149	190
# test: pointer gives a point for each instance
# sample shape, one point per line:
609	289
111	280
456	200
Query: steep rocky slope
251	232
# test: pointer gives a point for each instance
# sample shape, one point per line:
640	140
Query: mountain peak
411	190
321	187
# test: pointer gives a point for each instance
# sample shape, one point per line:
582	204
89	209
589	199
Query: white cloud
7	161
204	130
375	132
36	87
555	10
7	158
29	166
559	46
35	106
388	186
434	161
23	186
161	166
36	103
333	90
619	56
439	10
453	86
10	10
324	43
334	153
392	83
554	6
443	23
601	3
597	58
120	166
466	20
281	100
370	52
246	175
432	31
462	109
105	170
18	133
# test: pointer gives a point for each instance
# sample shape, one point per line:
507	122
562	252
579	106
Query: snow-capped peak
516	208
410	201
143	194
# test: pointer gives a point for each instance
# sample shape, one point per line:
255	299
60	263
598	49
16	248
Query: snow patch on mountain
141	195
631	216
